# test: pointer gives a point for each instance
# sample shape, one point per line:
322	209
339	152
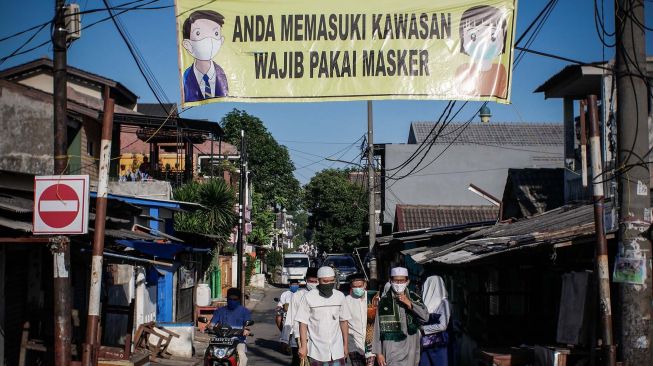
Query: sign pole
89	355
61	247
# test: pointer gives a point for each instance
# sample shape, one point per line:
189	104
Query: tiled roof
532	191
494	133
412	217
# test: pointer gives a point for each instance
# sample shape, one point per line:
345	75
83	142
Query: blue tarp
159	250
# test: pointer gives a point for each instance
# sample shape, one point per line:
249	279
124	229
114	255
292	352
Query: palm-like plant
217	217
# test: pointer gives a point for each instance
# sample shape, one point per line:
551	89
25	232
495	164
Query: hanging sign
61	204
335	50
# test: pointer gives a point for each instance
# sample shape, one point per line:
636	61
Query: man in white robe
323	323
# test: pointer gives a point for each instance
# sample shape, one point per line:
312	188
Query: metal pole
62	300
211	160
635	308
583	143
241	221
61	247
371	187
602	267
89	355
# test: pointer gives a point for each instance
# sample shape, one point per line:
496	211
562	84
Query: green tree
300	219
217	216
262	221
270	163
338	210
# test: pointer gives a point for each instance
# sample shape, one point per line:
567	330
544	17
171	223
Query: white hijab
433	293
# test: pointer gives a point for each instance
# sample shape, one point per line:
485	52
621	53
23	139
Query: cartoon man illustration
203	38
482	37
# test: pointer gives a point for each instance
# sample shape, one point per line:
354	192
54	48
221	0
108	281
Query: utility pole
601	250
61	247
89	354
371	187
634	312
241	219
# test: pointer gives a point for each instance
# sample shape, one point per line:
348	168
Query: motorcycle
222	345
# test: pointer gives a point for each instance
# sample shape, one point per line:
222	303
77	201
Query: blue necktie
207	86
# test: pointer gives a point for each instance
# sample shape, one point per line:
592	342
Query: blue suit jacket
192	92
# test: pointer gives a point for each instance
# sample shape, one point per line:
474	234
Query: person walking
400	312
434	332
290	332
323	323
357	301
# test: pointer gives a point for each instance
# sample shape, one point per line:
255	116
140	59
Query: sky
313	131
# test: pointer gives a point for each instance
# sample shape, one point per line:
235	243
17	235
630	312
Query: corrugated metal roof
495	133
555	226
412	217
12	203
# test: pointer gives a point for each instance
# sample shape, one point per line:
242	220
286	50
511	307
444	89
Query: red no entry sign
61	204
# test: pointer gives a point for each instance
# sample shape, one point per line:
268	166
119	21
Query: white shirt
323	317
200	79
357	323
284	298
290	331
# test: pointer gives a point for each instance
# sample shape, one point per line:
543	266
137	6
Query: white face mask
399	287
206	48
310	286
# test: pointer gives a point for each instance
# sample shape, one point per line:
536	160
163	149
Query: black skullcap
358	276
293	280
311	272
233	292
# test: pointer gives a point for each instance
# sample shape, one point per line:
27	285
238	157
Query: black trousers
296	361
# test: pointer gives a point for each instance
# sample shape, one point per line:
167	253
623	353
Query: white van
294	266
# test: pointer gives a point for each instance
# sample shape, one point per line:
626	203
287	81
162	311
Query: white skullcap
399	271
325	272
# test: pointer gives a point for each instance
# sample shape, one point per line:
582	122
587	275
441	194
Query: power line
17	52
133	54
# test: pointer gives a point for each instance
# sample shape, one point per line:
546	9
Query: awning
558	227
159	250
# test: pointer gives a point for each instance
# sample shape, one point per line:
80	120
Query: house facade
444	168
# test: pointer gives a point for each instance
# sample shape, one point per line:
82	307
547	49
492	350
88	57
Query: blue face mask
358	292
294	288
232	304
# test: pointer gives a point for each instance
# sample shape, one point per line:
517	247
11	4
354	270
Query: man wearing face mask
357	301
235	315
284	300
396	340
202	33
323	323
290	333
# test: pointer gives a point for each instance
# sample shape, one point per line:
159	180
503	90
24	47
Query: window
295	262
89	147
340	262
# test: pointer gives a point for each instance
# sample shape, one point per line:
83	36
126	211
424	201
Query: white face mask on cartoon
483	44
205	49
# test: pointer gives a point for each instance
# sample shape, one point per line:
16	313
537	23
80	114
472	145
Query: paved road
263	347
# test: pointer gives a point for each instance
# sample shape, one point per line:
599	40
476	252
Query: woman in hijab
434	332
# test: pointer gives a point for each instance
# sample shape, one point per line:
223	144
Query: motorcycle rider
235	315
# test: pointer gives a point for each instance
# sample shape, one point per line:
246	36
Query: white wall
445	181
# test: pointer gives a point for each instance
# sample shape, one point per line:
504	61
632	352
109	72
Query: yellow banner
328	50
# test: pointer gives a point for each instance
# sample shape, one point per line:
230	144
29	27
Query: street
263	347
